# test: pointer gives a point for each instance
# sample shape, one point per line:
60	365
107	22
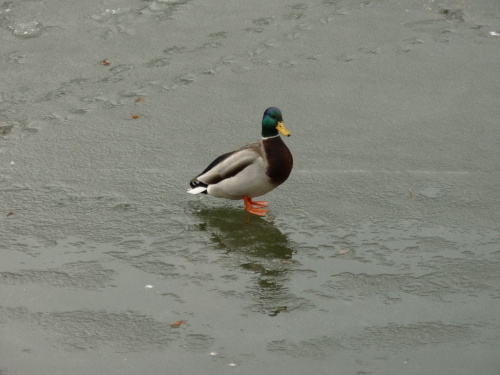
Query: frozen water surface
383	252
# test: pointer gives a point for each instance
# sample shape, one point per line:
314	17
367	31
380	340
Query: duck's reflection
257	246
238	230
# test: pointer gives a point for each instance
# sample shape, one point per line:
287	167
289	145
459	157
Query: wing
229	165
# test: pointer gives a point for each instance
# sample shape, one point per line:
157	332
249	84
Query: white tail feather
197	190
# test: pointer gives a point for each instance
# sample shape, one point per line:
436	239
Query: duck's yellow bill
281	128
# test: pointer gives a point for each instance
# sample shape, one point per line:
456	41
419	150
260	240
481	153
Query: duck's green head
272	123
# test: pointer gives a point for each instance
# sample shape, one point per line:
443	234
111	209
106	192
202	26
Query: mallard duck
251	171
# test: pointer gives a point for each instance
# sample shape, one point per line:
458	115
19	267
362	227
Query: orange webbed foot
249	206
259	203
258	211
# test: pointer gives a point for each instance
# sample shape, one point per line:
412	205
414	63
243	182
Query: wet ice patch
109	13
431	192
392	337
76	276
30	29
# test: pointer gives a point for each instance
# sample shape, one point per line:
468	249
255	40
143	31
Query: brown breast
279	158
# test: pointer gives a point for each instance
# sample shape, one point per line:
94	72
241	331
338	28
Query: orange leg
249	206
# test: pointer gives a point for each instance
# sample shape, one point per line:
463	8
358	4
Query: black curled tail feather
194	183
